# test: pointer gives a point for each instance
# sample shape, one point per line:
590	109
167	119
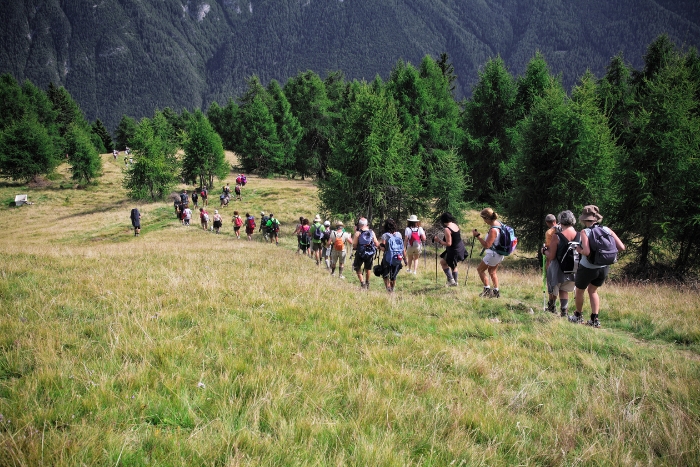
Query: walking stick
469	263
436	261
544	286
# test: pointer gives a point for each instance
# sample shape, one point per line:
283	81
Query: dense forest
628	142
131	57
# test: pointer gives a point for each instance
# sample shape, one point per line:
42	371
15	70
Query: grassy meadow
181	348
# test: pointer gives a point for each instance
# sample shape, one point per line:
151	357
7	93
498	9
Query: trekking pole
469	263
425	256
436	261
544	286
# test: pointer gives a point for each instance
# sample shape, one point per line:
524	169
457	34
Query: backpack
206	217
274	225
318	233
603	247
365	245
244	180
238	180
263	222
251	222
394	253
327	235
238	221
414	238
567	255
238	189
339	242
507	241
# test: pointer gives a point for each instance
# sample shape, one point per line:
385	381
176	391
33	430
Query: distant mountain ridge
133	56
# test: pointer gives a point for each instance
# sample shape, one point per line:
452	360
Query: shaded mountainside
133	56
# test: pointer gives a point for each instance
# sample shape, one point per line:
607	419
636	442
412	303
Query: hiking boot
552	307
495	293
452	283
341	277
575	319
594	323
486	293
563	313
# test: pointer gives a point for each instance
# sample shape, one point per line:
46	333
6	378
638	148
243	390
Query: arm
448	238
355	240
490	238
618	243
551	251
585	248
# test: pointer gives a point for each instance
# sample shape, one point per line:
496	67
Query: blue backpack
394	252
602	245
365	245
507	241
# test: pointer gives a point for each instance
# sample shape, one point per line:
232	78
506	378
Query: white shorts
491	258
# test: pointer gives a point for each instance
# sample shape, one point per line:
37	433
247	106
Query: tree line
628	142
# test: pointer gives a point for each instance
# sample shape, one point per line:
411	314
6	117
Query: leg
494	275
481	271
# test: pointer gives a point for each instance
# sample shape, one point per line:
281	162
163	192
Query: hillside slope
133	56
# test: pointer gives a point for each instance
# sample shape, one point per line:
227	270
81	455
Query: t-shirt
188	213
334	235
313	231
407	235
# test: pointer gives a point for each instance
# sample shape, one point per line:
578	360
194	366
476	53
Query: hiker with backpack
454	252
317	231
237	190
563	259
205	196
195	198
305	237
326	244
237	223
273	229
493	244
338	239
204	218
392	245
136	221
187	216
414	238
263	225
218	221
365	244
249	225
598	250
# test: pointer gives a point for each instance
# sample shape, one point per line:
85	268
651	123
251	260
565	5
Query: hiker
204	218
237	223
454	251
225	196
136	221
273	229
297	232
176	205
249	225
365	244
205	196
326	248
218	222
305	237
598	249
414	237
338	239
392	245
195	197
317	230
563	262
237	190
263	225
552	228
187	216
491	258
184	199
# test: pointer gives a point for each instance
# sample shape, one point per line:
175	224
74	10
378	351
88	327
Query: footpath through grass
182	347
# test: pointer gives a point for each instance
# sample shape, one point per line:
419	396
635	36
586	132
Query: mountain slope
133	56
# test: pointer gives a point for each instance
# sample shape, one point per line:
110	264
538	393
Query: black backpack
567	256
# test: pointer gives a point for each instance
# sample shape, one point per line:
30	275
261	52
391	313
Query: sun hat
412	218
339	224
317	218
590	213
262	213
216	211
327	223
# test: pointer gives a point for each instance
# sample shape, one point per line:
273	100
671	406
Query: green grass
181	347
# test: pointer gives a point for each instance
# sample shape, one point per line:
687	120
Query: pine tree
99	129
204	153
26	150
85	161
125	131
289	131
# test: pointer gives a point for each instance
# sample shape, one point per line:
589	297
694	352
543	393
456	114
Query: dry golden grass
182	347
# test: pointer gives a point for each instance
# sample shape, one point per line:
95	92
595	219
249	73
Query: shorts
337	255
567	286
359	262
451	257
415	249
390	271
586	276
236	228
491	258
316	246
217	224
249	230
187	221
137	225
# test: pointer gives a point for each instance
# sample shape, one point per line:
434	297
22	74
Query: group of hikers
578	261
571	261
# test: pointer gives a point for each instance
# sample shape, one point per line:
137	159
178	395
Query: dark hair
305	221
446	218
390	225
413	224
247	214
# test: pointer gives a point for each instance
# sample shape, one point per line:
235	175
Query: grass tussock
181	347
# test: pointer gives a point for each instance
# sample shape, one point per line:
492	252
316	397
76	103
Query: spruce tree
26	150
84	159
125	131
289	131
99	129
204	153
